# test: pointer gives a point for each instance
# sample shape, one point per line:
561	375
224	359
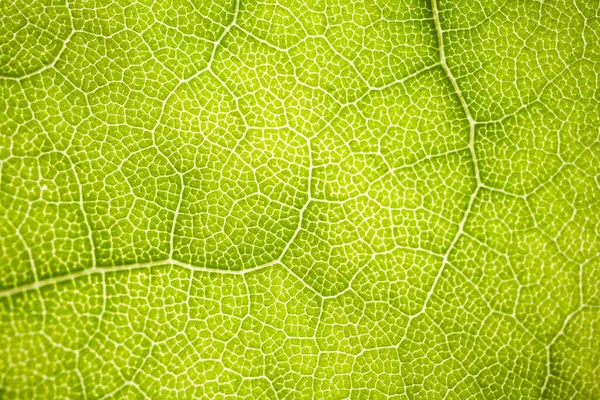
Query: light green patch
287	199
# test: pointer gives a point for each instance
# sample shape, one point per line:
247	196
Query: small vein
129	268
56	59
444	64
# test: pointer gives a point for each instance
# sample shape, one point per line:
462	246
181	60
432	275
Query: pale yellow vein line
127	268
461	98
442	53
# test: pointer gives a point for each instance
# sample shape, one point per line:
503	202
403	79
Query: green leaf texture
299	199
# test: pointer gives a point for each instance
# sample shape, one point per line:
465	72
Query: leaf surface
288	199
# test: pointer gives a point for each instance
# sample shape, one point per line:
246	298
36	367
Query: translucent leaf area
299	199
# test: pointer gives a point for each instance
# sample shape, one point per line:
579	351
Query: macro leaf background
286	199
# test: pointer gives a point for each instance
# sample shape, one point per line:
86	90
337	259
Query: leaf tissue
299	199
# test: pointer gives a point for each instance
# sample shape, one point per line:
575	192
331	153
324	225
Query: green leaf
286	199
